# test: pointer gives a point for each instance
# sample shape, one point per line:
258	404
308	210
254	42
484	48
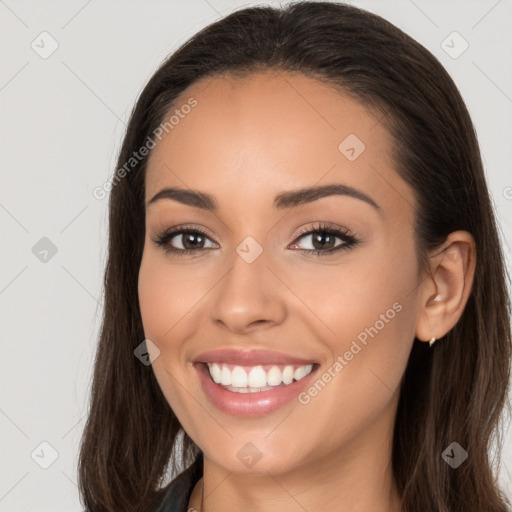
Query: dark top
180	489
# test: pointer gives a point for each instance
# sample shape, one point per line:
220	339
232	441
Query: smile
256	379
251	383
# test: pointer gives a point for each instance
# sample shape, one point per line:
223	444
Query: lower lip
249	404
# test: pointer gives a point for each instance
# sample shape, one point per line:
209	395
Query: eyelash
350	240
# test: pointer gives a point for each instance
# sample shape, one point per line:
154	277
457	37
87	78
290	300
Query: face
312	296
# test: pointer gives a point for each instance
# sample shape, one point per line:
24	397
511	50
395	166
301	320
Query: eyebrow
282	201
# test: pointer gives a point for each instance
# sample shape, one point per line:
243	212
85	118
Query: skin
246	141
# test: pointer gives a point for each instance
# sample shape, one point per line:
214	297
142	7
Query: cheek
164	301
363	295
167	296
367	314
170	300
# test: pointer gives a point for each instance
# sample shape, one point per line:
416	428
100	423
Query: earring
432	341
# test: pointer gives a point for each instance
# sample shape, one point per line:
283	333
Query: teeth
288	375
238	377
300	372
225	378
254	379
274	376
215	373
248	390
257	377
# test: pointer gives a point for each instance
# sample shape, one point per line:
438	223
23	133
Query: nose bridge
248	293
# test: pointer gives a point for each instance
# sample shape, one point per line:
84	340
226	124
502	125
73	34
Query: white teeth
248	390
225	376
255	379
274	376
215	373
288	375
238	377
301	372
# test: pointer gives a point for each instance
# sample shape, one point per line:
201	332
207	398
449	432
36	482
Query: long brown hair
456	391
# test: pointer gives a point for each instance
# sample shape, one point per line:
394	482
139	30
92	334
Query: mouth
237	387
255	379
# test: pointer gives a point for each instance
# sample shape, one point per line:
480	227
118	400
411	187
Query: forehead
272	131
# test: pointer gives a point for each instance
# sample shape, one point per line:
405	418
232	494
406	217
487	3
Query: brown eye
323	240
189	240
184	241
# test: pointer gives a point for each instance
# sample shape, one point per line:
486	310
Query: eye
182	240
323	240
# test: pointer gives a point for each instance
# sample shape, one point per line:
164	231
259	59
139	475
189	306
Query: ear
444	293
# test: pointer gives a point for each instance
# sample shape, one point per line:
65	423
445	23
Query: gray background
62	120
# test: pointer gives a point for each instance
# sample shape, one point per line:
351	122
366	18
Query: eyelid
323	226
179	228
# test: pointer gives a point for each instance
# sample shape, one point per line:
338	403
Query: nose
248	297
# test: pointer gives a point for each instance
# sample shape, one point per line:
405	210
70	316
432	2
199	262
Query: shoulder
177	494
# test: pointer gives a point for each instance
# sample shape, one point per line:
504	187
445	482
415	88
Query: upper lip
249	357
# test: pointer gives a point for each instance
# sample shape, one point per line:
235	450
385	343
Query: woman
299	207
